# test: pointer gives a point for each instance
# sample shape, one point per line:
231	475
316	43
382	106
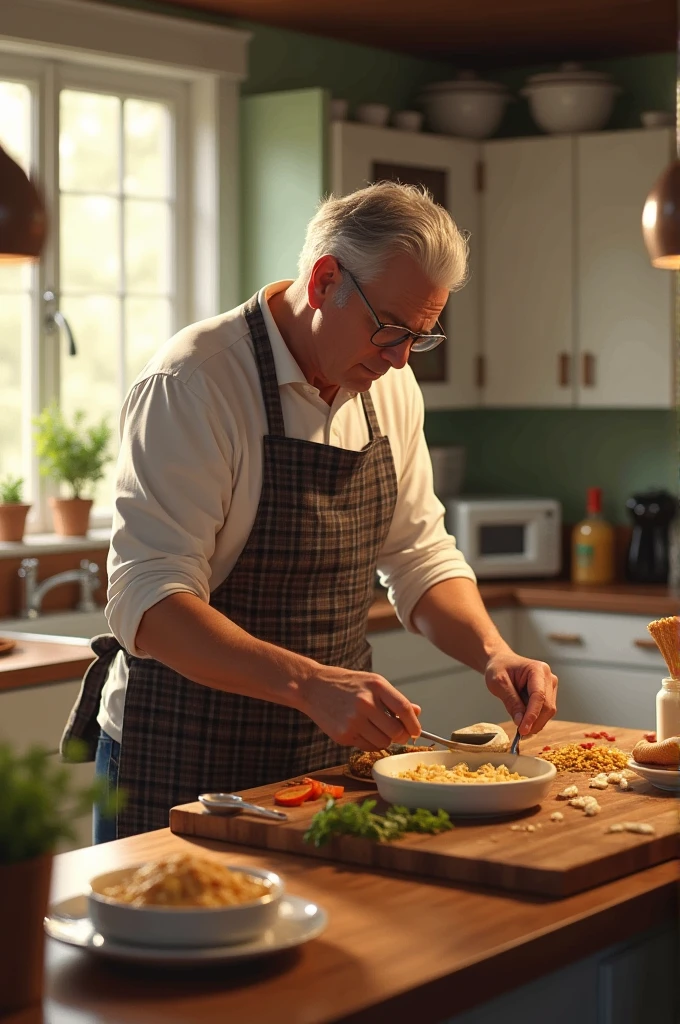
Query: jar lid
465	81
569	72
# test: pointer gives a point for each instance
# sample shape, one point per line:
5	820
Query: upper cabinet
574	313
449	169
625	306
528	272
562	307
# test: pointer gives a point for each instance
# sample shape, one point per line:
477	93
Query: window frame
196	68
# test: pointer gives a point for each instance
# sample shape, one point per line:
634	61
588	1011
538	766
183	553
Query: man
271	459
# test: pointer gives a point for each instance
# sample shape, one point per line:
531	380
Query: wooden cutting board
558	859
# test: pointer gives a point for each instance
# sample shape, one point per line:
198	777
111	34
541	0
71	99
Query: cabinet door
527	336
453	700
612	696
361	154
625	306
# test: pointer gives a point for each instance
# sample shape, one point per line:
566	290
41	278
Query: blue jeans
106	763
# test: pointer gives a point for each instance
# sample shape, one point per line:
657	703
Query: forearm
203	645
451	614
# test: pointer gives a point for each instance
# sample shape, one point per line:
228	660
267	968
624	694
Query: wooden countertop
622	598
394	947
37	659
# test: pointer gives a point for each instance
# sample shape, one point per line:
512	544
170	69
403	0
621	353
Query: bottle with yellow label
592	544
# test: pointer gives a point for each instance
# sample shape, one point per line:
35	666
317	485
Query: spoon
232	803
475	739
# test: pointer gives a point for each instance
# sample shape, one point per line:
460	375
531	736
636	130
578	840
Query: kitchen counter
622	598
40	659
394	947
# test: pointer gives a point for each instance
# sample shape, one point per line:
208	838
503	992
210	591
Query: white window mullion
48	369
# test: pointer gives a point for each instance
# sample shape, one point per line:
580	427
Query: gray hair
364	229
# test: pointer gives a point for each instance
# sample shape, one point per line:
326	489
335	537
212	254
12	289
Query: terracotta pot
24	893
13	521
71	516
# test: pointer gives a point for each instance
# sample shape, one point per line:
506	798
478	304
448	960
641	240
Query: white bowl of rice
184	901
464	783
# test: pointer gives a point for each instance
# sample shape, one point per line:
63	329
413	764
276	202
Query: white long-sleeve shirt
190	473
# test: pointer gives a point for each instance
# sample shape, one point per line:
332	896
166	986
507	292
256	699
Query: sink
73	624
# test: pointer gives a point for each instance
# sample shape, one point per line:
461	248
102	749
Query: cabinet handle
564	371
646	645
566	638
588	370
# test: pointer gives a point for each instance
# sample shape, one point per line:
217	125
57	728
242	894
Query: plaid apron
304	581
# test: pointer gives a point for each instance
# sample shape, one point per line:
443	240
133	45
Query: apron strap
371	418
266	367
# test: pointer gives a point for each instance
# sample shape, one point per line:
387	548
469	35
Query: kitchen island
396	947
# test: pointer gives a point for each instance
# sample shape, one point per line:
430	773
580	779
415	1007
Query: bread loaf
663	753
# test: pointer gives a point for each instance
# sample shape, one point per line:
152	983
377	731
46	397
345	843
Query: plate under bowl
182	926
667	779
465	798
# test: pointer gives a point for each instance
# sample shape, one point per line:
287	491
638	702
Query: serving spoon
475	739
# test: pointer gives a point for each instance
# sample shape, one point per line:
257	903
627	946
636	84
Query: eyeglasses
390	335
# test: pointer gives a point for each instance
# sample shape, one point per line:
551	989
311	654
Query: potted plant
12	510
72	455
38	803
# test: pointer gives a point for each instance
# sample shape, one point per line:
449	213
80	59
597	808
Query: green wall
561	452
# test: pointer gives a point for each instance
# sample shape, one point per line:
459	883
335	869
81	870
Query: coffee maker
652	513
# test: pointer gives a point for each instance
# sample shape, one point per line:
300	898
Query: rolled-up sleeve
418	551
173	490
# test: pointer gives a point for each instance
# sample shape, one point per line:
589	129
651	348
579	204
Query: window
107	148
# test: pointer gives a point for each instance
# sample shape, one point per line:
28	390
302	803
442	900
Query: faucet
33	592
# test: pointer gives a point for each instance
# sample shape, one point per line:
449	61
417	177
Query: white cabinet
528	272
605	695
608	668
453	700
449	168
450	694
625	306
573	312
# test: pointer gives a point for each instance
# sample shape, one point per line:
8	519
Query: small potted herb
74	455
13	511
38	803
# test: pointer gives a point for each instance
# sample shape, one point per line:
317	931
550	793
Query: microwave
506	537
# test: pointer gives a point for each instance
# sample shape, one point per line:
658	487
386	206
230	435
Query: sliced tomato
334	791
317	788
293	796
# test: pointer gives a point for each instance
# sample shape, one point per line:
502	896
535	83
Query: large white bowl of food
464	784
184	901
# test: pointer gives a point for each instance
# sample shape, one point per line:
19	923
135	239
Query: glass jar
668	709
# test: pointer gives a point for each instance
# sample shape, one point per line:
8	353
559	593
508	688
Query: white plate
465	798
299	921
662	778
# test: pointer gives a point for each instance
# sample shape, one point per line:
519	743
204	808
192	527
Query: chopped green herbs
354	819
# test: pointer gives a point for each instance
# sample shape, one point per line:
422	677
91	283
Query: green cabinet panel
284	168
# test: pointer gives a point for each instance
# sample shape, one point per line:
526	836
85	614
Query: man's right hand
350	708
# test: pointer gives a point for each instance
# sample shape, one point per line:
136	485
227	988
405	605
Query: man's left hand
507	673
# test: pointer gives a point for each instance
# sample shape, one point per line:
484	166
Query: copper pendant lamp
661	220
23	222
